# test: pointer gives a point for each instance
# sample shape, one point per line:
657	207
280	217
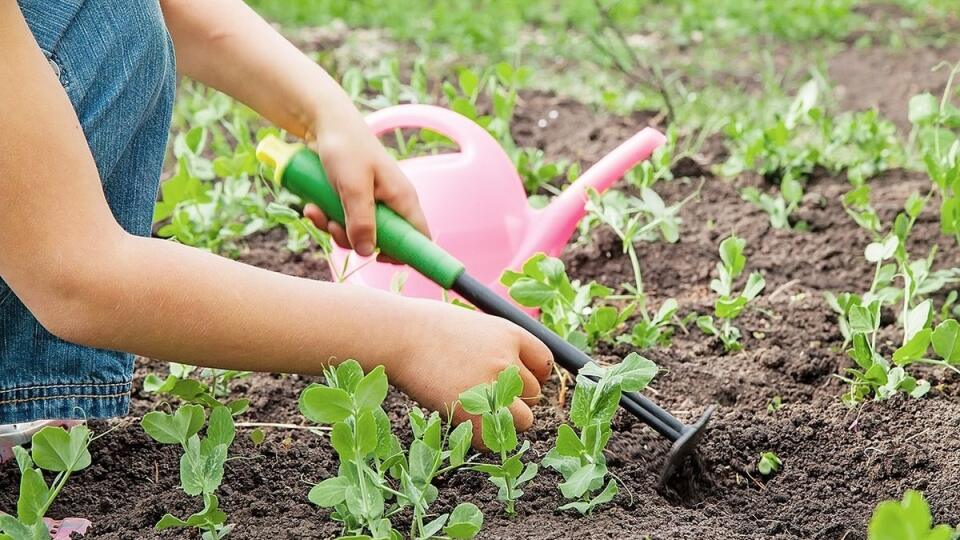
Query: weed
578	453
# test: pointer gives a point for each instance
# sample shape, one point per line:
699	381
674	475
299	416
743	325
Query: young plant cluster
201	464
729	305
215	203
377	478
578	452
788	147
936	125
881	374
55	450
574	311
207	387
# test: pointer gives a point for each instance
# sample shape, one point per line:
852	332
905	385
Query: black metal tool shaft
683	437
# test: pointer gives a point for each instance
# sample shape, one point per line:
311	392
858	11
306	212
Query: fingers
522	415
319	219
531	387
360	214
535	356
396	191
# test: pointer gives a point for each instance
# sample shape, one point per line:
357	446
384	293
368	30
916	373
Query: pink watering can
475	203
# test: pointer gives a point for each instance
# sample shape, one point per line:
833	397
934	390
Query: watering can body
475	203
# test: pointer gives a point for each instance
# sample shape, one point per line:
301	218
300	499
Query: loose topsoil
838	463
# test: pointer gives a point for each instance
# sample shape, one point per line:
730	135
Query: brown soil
886	79
838	462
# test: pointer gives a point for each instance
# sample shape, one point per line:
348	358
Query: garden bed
838	463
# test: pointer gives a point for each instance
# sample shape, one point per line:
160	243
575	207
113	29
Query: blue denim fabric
116	63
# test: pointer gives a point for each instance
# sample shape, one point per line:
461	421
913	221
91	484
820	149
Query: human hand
363	173
452	349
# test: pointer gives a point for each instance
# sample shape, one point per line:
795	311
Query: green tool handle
300	170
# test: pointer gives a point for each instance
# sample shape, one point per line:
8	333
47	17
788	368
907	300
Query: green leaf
371	390
169	521
605	496
349	373
633	373
731	253
431	528
924	108
33	497
881	251
56	449
946	341
729	308
568	444
459	442
508	387
465	521
220	428
174	428
341	437
330	492
917	319
907	519
474	400
422	461
498	432
581	480
325	405
530	293
201	466
257	436
769	463
366	433
914	349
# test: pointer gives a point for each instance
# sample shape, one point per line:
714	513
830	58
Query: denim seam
6	294
65	397
68	385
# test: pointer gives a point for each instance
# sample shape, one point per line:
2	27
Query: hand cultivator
300	170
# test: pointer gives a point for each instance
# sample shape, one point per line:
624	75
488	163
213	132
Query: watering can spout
559	219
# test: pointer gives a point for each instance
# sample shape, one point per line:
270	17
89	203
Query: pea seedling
491	402
566	307
909	518
52	449
727	306
204	387
769	463
377	479
202	462
578	453
633	219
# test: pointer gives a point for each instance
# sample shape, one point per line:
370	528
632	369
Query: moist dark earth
838	462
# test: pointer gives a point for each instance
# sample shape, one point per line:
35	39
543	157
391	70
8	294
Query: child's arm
88	281
226	45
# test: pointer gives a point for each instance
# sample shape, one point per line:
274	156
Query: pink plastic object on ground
63	530
475	202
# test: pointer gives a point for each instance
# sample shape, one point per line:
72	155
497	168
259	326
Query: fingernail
365	248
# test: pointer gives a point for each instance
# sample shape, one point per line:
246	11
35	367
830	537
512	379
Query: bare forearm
226	45
168	301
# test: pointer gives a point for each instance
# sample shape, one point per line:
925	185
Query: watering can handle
300	170
470	137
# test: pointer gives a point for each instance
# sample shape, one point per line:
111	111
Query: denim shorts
115	60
